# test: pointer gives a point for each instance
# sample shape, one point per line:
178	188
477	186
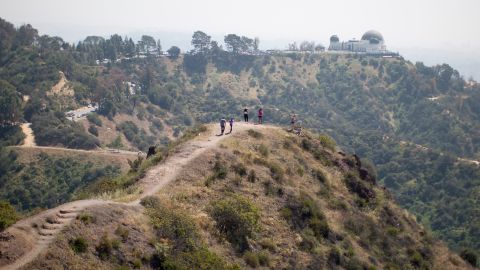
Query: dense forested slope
412	121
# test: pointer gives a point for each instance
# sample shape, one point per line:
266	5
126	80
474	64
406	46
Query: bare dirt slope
38	231
29	140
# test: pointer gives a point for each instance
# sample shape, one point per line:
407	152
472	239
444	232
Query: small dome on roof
334	38
373	36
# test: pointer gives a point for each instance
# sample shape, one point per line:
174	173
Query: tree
10	104
293	46
159	47
26	35
233	43
93	40
200	42
173	52
129	48
148	42
319	48
256	44
247	44
307	46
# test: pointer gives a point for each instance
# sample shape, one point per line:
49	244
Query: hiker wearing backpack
245	114
222	125
260	116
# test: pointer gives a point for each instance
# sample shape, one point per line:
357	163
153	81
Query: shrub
355	185
255	134
276	171
307	144
199	259
150	202
122	232
104	248
174	225
251	259
117	143
268	244
237	218
78	245
8	215
94	119
469	256
240	169
302	212
157	123
219	170
252	177
327	142
319	175
85	218
93	130
263	150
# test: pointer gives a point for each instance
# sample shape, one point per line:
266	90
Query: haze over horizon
429	31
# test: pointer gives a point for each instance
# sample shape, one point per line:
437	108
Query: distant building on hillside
372	42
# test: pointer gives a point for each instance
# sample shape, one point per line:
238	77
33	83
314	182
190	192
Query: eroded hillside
260	198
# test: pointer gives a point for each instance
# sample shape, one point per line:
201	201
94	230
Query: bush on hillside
78	245
173	224
93	130
237	218
8	215
327	142
303	212
469	256
94	119
201	258
54	129
11	135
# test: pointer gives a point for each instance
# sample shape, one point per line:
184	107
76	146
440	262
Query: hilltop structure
372	42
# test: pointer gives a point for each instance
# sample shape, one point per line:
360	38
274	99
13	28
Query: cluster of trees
113	48
306	46
202	44
47	182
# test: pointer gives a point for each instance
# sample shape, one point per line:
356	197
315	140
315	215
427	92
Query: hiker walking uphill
223	122
260	116
245	114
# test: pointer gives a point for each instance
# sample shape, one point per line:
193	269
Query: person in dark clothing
151	151
231	125
260	116
245	114
223	122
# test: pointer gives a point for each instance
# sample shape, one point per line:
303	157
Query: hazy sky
423	23
450	27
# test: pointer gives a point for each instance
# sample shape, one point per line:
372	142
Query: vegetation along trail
40	230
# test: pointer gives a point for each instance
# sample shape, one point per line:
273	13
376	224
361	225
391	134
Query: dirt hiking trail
35	233
29	140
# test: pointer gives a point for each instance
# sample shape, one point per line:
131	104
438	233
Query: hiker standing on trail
293	119
260	116
222	124
231	124
245	114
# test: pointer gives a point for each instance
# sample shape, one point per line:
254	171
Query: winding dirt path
42	228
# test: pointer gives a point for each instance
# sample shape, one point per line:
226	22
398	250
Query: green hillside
414	122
